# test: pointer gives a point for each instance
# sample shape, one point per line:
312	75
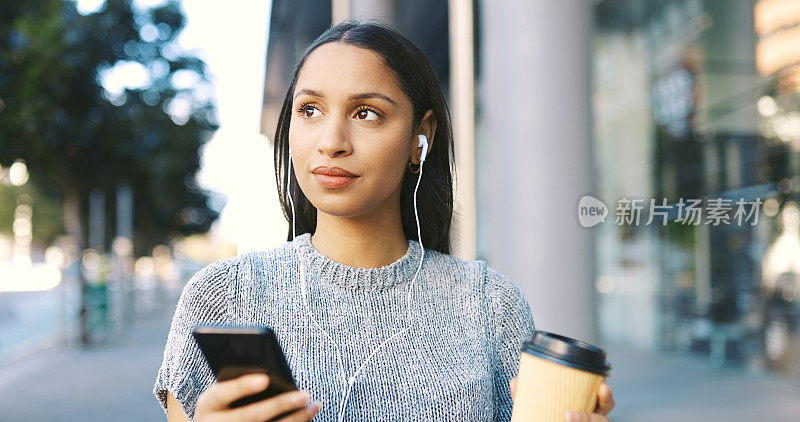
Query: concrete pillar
462	110
536	58
340	10
380	10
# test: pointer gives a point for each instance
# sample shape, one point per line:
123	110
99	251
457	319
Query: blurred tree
46	218
90	102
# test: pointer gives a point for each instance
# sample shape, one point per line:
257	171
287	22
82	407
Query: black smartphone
234	350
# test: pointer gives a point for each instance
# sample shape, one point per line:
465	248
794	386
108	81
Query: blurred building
655	99
699	99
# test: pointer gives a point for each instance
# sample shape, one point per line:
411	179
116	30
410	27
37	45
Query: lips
333	177
333	171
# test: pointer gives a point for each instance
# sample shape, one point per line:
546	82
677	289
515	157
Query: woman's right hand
212	405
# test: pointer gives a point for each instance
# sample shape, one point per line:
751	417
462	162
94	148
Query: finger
268	409
513	386
222	394
303	414
571	416
605	400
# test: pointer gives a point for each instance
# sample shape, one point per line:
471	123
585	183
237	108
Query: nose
334	139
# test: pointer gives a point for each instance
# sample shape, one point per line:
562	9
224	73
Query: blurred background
136	147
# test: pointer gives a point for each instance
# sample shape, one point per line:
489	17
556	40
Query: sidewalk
667	387
100	384
115	383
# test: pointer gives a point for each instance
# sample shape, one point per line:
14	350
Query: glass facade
699	100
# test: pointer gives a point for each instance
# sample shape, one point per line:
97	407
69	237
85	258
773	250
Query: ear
427	127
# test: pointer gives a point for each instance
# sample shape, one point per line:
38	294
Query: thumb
513	386
571	416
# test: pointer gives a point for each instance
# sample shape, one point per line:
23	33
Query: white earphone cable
351	380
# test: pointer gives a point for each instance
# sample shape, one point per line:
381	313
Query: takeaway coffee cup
557	374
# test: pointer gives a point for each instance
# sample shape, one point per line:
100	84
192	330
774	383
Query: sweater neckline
379	278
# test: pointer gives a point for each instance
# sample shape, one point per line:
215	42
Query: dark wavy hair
419	82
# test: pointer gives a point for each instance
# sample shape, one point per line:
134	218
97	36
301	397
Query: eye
304	109
362	113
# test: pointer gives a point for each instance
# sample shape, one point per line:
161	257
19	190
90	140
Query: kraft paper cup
557	374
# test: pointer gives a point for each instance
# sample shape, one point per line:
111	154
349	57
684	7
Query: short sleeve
510	324
184	371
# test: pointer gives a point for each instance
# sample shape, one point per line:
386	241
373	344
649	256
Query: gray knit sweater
454	365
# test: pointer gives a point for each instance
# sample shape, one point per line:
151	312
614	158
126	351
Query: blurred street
103	383
667	387
140	140
115	382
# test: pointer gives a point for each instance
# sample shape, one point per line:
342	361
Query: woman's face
349	113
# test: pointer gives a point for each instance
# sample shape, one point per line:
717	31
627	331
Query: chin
338	205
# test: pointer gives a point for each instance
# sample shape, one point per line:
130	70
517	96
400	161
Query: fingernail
301	397
314	407
259	381
571	416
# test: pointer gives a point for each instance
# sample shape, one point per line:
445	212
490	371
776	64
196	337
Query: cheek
391	161
386	168
301	144
296	135
388	152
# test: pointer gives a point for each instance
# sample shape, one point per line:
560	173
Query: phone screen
233	351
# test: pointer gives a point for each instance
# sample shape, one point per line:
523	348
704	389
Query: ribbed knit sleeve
184	371
511	323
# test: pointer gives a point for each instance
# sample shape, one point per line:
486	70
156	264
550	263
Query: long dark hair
419	82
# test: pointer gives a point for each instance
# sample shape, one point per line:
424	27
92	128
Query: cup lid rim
568	351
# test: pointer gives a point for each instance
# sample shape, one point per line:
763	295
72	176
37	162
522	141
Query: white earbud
423	142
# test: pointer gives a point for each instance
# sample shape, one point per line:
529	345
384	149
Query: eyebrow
361	96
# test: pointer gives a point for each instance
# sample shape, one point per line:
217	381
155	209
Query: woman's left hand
605	402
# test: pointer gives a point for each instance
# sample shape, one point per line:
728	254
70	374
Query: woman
375	324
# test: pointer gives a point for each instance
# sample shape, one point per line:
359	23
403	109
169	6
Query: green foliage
75	137
46	218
